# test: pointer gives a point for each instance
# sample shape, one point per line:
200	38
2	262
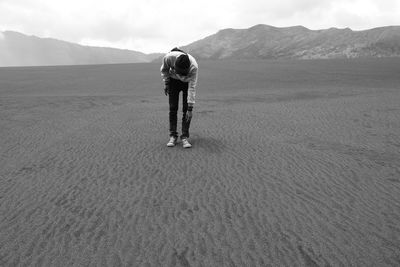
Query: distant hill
268	42
257	42
17	49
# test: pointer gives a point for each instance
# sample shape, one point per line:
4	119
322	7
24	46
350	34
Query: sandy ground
288	174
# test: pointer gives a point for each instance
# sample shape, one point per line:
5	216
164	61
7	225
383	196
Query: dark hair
182	64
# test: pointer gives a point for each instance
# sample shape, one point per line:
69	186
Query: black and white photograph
200	133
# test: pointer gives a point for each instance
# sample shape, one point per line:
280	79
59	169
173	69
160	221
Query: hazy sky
158	25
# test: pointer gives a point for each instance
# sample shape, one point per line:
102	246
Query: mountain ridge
260	41
17	49
297	42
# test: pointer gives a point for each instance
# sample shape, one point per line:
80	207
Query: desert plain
294	163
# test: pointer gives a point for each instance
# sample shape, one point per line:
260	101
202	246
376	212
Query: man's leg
185	123
173	107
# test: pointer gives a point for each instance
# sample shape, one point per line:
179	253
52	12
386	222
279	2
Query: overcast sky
158	25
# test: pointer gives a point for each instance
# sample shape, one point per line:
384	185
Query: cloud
157	25
317	14
364	14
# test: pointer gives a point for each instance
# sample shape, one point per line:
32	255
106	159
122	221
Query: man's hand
166	89
188	116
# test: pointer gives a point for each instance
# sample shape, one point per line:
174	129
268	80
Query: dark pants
176	86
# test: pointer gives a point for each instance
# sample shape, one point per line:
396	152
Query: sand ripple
88	181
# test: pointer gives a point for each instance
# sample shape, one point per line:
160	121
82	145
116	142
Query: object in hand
166	89
188	116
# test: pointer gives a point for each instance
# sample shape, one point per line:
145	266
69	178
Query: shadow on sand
208	144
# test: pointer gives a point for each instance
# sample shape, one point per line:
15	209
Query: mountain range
258	42
17	49
298	42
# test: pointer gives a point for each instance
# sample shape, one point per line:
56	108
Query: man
179	72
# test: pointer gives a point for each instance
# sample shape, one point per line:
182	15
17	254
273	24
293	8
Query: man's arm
192	88
165	69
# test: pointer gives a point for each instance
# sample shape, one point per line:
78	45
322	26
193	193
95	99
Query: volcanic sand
293	164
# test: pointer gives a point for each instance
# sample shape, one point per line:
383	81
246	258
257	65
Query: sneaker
186	143
172	141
